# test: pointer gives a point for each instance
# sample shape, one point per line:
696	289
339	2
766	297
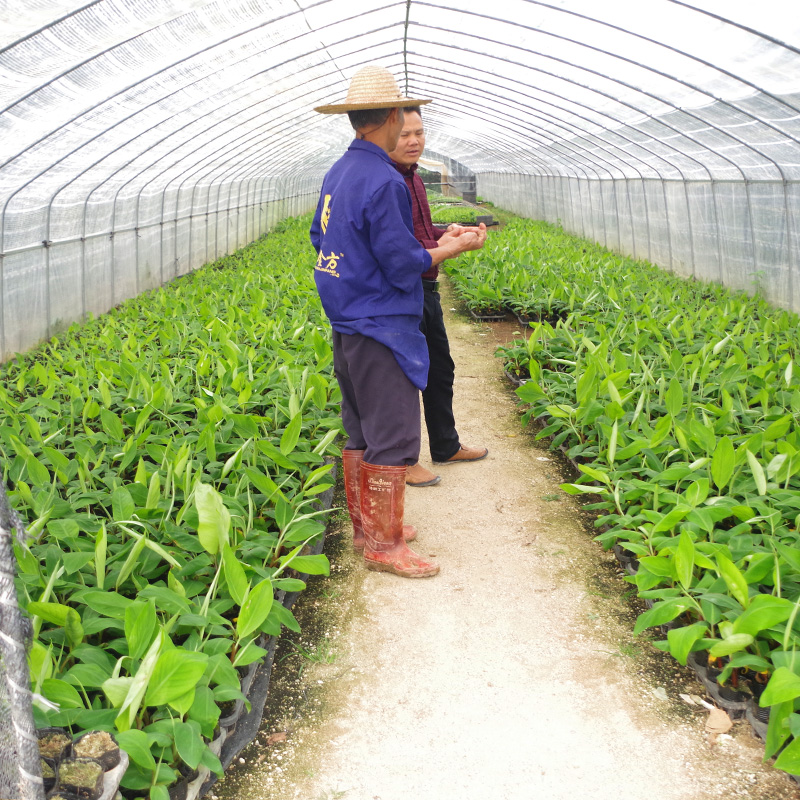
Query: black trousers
380	405
437	399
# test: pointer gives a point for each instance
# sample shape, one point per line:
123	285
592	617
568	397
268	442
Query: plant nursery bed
173	511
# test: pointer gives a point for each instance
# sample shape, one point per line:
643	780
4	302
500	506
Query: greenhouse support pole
689	225
177	206
719	232
191	225
136	253
161	225
46	244
669	227
83	264
14	662
793	264
261	220
616	210
630	214
647	220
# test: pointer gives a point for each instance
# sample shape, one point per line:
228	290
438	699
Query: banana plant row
167	458
680	404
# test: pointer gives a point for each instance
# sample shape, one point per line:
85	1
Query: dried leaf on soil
718	722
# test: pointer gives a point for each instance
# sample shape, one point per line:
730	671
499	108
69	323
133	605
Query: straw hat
371	87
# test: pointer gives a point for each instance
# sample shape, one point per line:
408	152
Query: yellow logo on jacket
328	263
326	213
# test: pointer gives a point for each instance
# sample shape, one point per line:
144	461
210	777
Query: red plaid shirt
426	233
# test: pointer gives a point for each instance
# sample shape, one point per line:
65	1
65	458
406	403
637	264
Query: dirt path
513	675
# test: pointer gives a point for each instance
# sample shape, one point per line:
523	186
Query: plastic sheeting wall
704	230
87	264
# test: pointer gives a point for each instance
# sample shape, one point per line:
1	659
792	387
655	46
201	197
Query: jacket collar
362	144
406	172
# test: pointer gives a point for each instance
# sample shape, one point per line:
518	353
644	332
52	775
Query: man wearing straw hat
368	276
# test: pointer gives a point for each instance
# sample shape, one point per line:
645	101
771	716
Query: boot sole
462	460
377	566
425	483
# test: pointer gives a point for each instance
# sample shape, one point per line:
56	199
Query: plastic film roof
115	98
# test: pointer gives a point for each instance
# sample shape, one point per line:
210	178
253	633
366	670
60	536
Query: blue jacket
369	263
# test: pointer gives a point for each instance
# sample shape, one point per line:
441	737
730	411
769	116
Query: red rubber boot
351	466
382	500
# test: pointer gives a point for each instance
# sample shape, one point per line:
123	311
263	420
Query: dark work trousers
437	399
380	405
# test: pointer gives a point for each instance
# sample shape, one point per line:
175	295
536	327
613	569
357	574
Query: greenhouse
184	609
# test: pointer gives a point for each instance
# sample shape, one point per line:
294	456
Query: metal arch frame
247	144
550	141
623	103
130	116
239	111
161	122
108	99
177	190
689	56
241	168
710	149
174	64
636	89
779	100
385	7
739	25
689	113
172	133
221	42
195	166
211	167
547	170
646	67
587	135
772	40
582	132
49	25
657	120
74	67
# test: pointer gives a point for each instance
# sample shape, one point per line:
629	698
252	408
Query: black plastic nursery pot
81	778
49	773
53	743
99	745
523	319
487	314
515	378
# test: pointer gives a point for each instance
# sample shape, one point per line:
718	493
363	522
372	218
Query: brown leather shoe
419	476
467	454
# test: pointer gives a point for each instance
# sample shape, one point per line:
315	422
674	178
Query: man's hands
456	240
469	238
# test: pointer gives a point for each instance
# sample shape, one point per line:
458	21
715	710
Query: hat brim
343	108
